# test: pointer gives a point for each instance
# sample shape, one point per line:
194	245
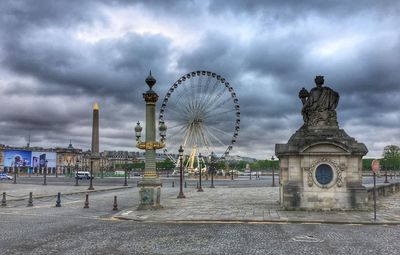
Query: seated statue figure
319	105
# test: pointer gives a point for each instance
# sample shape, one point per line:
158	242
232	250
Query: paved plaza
232	204
237	201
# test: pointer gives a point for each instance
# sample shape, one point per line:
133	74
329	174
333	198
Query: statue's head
319	80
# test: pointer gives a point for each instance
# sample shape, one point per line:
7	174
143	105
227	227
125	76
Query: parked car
82	175
4	176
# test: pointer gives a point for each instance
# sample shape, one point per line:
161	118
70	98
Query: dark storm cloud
40	45
110	68
289	9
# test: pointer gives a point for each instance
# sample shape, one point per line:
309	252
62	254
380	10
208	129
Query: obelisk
95	137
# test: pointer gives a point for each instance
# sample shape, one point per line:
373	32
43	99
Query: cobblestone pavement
254	205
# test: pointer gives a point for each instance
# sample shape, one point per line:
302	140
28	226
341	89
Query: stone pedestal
149	193
321	168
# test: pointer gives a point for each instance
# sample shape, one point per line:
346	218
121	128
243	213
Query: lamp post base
181	195
200	189
149	194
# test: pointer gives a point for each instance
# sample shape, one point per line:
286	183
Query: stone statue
319	105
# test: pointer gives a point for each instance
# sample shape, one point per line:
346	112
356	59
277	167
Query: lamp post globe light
181	195
150	184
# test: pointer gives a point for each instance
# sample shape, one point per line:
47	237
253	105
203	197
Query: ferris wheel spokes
200	114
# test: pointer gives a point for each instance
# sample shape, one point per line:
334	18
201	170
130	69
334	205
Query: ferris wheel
202	113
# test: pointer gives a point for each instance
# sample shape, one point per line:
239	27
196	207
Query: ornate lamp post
150	185
273	172
181	195
200	189
212	169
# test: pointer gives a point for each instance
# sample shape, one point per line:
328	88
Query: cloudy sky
59	57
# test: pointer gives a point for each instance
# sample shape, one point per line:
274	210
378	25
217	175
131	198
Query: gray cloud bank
267	50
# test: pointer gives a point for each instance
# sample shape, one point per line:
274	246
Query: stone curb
272	221
72	193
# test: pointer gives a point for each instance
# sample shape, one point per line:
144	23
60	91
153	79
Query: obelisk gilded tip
96	106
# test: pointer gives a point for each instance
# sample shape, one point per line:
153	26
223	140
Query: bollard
4	200
30	200
173	184
58	202
185	185
115	205
86	201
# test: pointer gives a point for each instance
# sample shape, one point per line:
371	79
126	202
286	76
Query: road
71	229
242	181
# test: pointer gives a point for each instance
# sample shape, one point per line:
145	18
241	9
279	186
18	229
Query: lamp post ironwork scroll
181	195
150	185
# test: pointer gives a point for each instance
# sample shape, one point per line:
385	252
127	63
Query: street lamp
231	174
102	169
126	169
386	168
92	157
15	171
273	171
200	189
212	169
45	173
181	195
250	172
150	183
76	175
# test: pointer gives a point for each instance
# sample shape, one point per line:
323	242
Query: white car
4	176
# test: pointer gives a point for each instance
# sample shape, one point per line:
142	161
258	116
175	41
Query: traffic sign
375	165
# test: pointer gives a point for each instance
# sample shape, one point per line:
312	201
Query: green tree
391	157
367	164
